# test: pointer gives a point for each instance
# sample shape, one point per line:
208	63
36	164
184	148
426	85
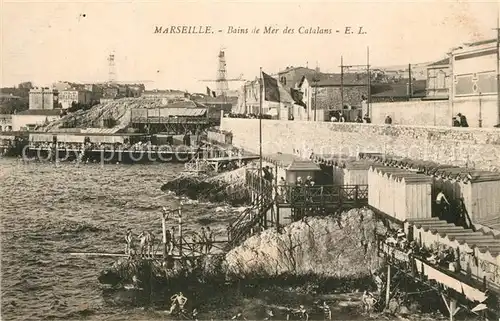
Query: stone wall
479	112
473	147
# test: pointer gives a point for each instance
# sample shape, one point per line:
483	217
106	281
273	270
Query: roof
347	79
40	112
181	104
399	89
182	112
466	175
288	69
441	62
481	42
281	159
10	96
100	130
303	165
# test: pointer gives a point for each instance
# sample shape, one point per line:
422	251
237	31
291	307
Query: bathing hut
399	193
301	168
412	195
480	191
70	138
344	170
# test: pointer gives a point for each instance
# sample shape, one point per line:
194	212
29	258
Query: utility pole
498	66
369	81
410	91
315	91
342	82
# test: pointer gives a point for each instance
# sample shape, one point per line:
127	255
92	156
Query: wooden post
388	287
164	233
452	306
180	233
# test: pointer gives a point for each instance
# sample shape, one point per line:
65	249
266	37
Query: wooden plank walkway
232	158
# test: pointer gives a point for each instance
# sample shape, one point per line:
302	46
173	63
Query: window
441	79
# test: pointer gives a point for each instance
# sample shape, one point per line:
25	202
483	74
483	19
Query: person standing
209	240
463	120
441	205
129	242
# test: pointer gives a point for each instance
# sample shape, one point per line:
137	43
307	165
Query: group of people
146	242
203	242
460	121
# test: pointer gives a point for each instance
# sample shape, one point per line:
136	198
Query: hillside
119	110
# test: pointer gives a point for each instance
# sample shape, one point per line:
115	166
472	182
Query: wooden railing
249	221
300	195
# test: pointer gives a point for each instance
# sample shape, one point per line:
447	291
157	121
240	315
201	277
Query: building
70	96
215	105
5	123
398	91
96	91
8	97
291	76
333	91
32	118
438	79
43	98
474	86
249	101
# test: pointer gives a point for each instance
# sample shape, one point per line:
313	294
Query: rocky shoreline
226	187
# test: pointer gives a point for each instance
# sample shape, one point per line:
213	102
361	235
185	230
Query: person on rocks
368	300
196	243
129	242
327	312
150	244
239	316
367	119
388	120
301	312
178	302
168	242
359	119
143	243
269	314
172	240
194	315
203	239
209	240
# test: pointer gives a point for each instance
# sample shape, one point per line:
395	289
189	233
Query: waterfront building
474	87
326	92
74	95
291	76
43	98
6	123
31	118
163	94
438	79
249	101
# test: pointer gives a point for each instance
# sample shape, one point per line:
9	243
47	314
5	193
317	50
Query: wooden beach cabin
412	195
344	170
301	168
399	193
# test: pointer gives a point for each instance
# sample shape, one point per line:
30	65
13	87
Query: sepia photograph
250	160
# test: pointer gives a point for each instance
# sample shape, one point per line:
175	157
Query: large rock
342	247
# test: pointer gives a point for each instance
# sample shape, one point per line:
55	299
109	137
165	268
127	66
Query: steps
249	221
484	242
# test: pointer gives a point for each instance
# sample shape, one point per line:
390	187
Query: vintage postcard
250	160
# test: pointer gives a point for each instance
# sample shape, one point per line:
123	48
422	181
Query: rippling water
47	210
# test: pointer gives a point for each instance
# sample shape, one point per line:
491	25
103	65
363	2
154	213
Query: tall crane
221	81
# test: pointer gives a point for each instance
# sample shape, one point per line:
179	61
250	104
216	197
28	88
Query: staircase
484	242
250	221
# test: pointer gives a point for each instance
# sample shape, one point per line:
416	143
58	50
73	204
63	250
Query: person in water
178	302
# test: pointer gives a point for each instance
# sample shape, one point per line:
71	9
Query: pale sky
46	41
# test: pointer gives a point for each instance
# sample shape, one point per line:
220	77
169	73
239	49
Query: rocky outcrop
226	187
341	248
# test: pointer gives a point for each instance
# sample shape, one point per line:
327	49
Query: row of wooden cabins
404	191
